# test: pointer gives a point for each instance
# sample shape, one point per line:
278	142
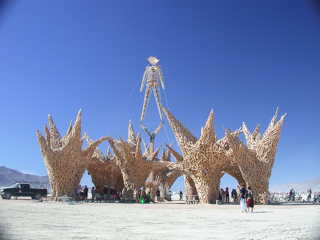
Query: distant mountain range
300	187
9	176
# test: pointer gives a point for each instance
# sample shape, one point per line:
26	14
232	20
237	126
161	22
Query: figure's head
153	60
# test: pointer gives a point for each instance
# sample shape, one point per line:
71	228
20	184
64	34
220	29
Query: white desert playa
27	219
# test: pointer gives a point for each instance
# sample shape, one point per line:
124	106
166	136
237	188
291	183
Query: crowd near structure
203	162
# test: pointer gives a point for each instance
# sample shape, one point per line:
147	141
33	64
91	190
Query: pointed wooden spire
207	135
131	135
182	134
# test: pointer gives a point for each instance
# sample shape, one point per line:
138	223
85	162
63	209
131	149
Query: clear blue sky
241	58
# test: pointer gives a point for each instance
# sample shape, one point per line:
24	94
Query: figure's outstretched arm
143	80
161	78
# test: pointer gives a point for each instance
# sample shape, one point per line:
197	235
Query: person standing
250	201
93	193
220	196
293	195
235	195
105	193
98	194
181	195
223	195
309	195
227	194
290	194
114	194
79	191
158	195
243	196
85	193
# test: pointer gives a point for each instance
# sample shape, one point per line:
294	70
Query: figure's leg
156	92
145	103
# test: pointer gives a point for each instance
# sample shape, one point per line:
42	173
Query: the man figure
243	203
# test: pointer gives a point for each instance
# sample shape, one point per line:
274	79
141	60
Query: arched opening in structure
178	186
86	179
228	184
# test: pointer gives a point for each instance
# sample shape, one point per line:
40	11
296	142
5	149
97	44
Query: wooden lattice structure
205	160
104	170
256	159
231	167
134	165
164	176
178	166
64	159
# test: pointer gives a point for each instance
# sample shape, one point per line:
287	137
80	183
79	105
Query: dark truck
21	189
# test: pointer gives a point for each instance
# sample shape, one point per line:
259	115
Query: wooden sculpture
64	159
178	167
256	159
164	176
207	159
134	165
104	170
151	78
231	167
203	159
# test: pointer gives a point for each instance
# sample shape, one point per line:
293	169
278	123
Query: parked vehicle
21	189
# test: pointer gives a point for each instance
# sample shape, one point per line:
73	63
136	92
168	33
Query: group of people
292	195
145	196
97	194
234	195
316	196
102	193
224	195
246	199
246	196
